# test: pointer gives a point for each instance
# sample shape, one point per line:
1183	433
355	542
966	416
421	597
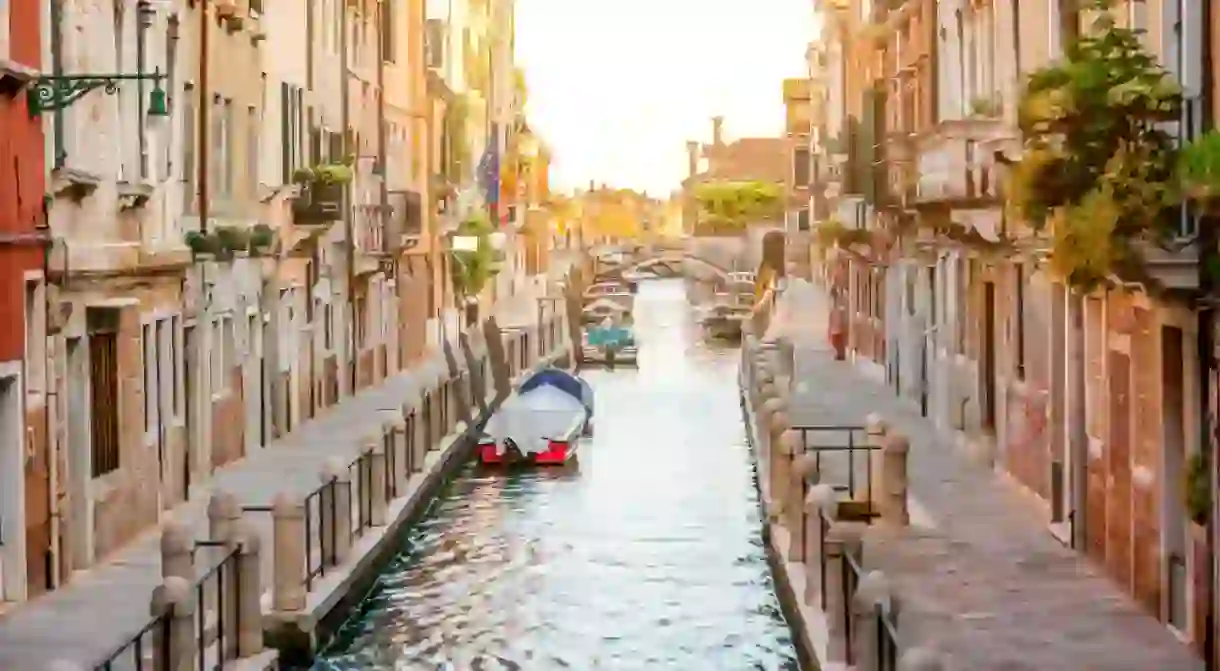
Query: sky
617	87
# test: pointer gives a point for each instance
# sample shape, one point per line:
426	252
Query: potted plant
321	191
262	237
202	245
1096	168
233	241
1199	171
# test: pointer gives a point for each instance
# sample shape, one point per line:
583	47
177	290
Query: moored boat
542	424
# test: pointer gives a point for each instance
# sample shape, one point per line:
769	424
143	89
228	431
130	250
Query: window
171	86
800	167
962	290
222	353
802	219
387	31
228	164
328	327
176	363
149	351
189	168
252	150
35	337
103	396
1019	321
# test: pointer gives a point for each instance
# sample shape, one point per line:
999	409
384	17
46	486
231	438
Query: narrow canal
648	556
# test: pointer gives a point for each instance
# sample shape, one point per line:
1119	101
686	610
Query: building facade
27	526
244	229
1087	400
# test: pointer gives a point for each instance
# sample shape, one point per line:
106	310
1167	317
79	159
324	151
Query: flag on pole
489	172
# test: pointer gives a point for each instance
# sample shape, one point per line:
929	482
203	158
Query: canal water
648	556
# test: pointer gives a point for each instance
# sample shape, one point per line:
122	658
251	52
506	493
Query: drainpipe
349	228
1206	317
390	235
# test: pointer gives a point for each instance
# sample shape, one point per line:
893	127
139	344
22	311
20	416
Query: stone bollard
778	462
804	476
288	554
335	512
894	507
377	494
177	551
249	590
223	513
789	446
821	509
174	599
872	593
875	430
402	462
921	659
843	539
415	441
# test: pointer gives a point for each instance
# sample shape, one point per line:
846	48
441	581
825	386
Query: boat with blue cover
542	424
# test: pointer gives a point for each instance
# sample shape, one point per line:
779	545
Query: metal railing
849	580
217	615
390	445
887	638
147	649
321	522
854	441
360	475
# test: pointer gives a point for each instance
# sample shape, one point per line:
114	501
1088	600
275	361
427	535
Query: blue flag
489	171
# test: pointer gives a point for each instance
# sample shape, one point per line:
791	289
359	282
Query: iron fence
390	445
322	523
887	638
147	649
849	580
360	499
217	615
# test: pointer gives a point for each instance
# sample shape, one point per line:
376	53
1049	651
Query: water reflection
648	556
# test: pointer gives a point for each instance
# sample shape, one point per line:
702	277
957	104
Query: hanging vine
1097	168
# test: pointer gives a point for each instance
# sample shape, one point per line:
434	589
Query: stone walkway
981	578
105	605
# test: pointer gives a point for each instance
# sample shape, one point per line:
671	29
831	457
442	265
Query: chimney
717	131
692	157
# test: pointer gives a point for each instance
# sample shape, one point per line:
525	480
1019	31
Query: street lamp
56	92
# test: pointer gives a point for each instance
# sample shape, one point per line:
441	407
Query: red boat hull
559	452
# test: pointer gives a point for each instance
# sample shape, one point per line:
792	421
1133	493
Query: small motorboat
611	343
542	423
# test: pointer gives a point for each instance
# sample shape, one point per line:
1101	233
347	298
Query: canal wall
300	634
809	632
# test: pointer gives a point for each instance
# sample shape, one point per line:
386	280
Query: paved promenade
105	605
982	579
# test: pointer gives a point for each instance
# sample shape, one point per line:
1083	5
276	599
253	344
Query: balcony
957	166
318	206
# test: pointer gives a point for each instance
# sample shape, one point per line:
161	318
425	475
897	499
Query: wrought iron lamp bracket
49	93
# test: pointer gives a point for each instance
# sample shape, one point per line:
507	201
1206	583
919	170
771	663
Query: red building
25	519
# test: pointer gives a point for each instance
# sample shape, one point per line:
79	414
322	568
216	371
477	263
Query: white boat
542	424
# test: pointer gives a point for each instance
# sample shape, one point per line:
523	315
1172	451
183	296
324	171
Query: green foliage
1198	489
832	233
1199	168
324	174
471	270
262	236
201	243
732	206
232	239
1096	165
